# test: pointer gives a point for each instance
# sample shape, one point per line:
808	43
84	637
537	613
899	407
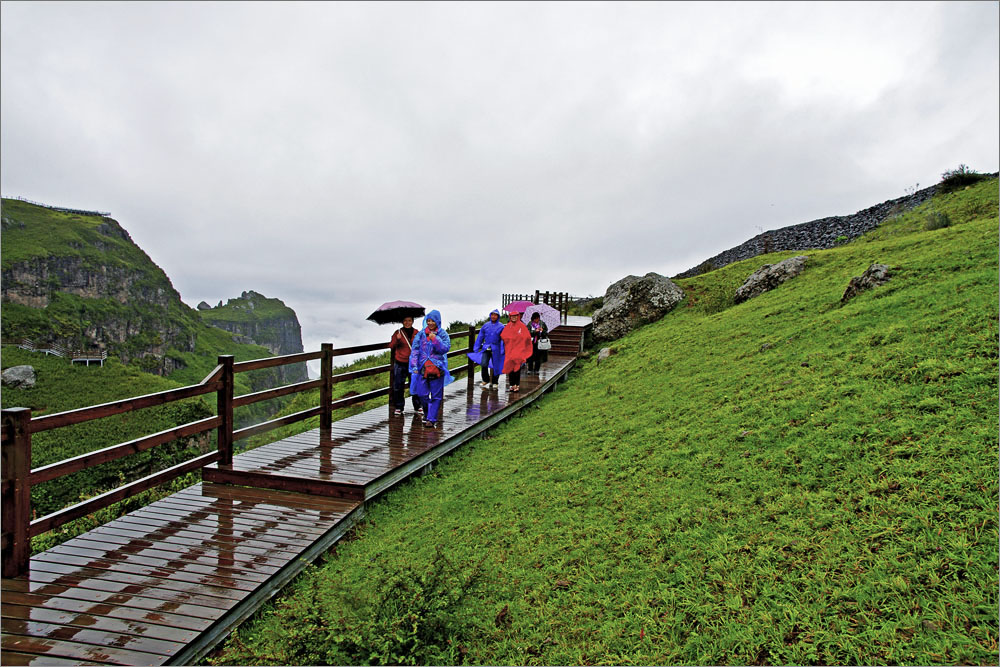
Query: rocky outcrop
874	275
257	319
34	282
768	277
817	234
19	377
633	301
89	286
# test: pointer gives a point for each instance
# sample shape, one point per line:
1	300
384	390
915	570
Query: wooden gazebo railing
558	300
17	476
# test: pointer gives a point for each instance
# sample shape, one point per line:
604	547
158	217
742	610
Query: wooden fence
18	476
558	300
75	356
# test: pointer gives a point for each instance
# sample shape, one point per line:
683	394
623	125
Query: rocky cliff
256	319
78	280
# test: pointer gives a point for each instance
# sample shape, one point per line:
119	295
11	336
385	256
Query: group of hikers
422	358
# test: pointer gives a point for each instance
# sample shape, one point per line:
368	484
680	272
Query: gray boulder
634	301
874	275
19	377
768	277
204	306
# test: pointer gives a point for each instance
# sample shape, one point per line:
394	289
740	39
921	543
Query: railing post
224	403
326	391
16	491
472	365
535	300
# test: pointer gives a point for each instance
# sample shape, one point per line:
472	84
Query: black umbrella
395	311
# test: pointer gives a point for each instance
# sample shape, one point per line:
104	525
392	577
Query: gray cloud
336	155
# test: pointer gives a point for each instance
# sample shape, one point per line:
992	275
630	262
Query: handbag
544	344
431	372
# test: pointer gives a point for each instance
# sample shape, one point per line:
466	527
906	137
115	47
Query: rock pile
818	234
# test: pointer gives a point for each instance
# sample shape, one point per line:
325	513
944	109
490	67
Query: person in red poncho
516	350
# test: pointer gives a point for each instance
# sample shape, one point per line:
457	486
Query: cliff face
78	280
254	318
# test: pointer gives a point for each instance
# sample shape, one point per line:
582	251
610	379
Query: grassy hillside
61	386
787	481
37	232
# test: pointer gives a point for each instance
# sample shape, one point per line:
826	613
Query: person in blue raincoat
429	366
488	351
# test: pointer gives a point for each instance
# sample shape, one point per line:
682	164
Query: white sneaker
484	385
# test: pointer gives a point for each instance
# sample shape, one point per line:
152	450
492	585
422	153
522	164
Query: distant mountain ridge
78	279
259	320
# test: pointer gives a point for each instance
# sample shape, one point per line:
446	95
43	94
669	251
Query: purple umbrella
395	311
517	306
546	313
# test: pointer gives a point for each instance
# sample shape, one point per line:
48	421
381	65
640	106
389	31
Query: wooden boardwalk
165	583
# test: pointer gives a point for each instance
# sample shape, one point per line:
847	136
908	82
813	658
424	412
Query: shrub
840	239
937	220
411	620
958	178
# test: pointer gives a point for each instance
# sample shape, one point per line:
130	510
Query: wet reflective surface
368	446
137	590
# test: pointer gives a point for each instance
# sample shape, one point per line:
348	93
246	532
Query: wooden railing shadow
17	476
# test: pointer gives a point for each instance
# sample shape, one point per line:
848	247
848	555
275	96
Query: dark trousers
400	377
487	358
538	357
514	377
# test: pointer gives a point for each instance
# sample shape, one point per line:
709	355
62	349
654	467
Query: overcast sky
338	155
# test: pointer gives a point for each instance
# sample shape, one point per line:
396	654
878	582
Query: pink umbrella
395	311
546	313
518	306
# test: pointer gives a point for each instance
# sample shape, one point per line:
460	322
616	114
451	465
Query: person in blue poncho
488	351
429	366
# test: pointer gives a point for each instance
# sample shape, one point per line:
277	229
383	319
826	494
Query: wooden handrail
360	398
56	519
364	372
19	425
115	452
358	349
266	394
270	362
80	415
264	427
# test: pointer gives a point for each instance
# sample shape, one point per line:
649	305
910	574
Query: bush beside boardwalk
782	481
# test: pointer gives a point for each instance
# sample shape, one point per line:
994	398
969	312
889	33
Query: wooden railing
558	300
19	425
60	351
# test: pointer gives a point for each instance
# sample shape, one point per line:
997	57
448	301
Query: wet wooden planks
370	451
165	583
177	574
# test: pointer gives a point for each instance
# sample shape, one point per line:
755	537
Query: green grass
61	386
786	481
42	232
